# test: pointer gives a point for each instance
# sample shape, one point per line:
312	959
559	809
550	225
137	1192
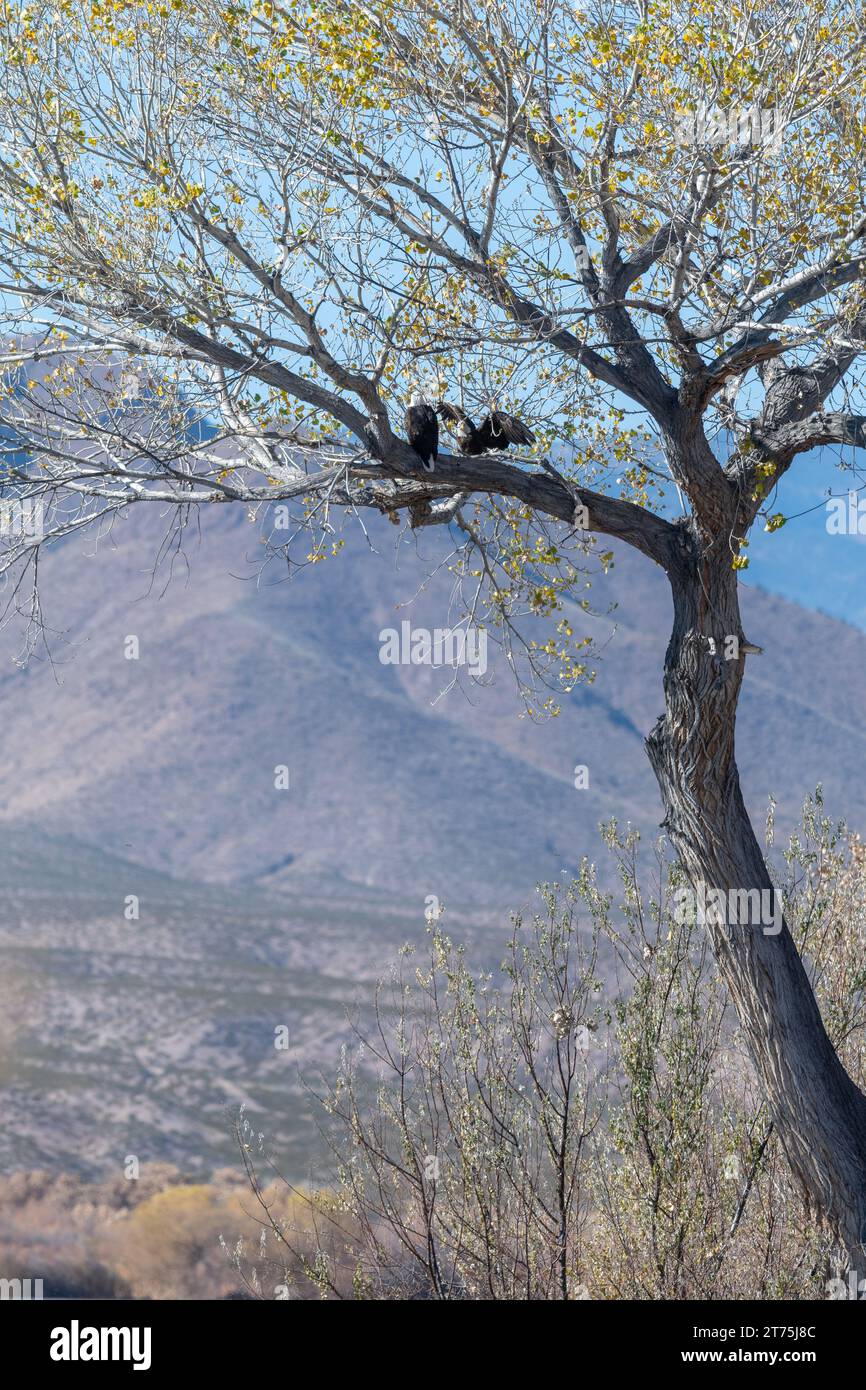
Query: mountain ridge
172	756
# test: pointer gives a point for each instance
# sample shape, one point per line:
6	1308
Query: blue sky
802	561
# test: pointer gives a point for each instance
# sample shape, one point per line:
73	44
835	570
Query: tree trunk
819	1112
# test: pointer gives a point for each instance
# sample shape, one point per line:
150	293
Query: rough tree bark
819	1112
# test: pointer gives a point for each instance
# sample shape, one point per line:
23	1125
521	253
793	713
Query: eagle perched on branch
422	429
496	431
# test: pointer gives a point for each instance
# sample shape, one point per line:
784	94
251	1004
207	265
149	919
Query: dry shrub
587	1124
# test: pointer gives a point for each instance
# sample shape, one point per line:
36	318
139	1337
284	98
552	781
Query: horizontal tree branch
490	474
823	427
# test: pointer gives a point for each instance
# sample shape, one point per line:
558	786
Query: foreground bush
160	1236
586	1123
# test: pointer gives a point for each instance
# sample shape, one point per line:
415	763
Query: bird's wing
452	414
513	429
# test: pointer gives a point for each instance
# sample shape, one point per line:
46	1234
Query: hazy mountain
139	1037
169	760
259	907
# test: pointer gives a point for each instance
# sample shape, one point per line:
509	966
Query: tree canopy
234	236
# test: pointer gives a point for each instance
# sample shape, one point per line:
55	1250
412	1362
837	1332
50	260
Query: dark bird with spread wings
496	431
422	429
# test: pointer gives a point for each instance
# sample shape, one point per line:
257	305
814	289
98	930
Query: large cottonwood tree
641	225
